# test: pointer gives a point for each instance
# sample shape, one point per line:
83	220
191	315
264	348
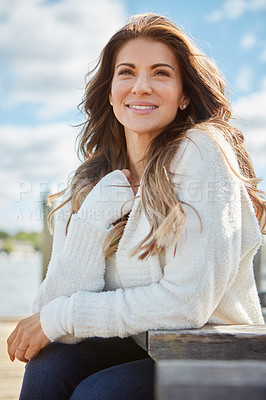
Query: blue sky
45	50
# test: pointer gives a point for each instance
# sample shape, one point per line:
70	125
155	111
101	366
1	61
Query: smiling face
146	89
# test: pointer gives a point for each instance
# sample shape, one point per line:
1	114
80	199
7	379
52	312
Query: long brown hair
102	144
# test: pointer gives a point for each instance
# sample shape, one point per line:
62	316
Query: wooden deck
10	373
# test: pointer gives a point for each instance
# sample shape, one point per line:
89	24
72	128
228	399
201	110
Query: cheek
172	95
172	99
118	90
114	89
173	102
116	96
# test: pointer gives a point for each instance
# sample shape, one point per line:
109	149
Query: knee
45	365
43	374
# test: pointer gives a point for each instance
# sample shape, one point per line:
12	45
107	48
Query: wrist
56	318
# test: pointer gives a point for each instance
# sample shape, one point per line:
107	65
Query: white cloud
35	159
48	46
248	41
252	107
46	49
252	120
244	79
263	55
233	9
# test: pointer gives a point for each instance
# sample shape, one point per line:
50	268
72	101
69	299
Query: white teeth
143	107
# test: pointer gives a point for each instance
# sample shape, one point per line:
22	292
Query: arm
78	262
194	280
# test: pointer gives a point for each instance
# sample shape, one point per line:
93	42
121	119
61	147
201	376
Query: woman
157	229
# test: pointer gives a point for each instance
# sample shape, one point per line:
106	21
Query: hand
109	199
27	339
127	173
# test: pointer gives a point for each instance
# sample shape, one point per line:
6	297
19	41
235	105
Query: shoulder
203	150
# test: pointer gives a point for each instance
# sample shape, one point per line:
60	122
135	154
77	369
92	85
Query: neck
137	146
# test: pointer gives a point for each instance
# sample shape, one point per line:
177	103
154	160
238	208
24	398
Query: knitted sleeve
195	278
77	261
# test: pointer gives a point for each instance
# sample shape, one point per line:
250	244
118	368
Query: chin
144	130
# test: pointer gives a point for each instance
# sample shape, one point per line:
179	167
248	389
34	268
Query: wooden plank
212	342
11	374
202	380
262	296
257	265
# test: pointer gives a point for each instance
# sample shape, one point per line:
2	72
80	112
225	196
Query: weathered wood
203	380
212	342
257	268
262	296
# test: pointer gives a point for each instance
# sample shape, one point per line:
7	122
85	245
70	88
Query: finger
31	353
20	352
8	343
11	338
32	350
127	173
13	341
20	342
20	355
13	348
36	346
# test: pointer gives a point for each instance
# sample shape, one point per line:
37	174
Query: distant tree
23	236
3	235
7	246
33	238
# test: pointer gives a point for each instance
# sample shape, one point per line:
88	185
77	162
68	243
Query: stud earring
111	103
184	106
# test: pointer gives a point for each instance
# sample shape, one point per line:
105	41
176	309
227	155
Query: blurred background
46	48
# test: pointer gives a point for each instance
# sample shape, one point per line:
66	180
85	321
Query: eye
125	72
162	72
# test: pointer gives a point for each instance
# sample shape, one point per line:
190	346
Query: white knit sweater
209	280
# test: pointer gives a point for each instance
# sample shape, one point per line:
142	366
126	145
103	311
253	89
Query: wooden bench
209	379
216	361
262	296
221	362
258	274
212	342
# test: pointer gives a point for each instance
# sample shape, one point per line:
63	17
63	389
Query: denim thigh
59	368
133	380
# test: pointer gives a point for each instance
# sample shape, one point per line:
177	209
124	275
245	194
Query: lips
142	106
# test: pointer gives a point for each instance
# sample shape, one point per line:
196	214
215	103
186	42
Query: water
20	279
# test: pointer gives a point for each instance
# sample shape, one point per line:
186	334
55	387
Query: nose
142	85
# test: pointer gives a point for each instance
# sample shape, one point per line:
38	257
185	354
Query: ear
111	99
184	103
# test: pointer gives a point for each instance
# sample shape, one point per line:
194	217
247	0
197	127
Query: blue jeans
96	368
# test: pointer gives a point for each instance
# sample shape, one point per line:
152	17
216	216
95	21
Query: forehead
146	51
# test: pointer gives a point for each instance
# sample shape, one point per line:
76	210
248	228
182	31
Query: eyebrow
152	67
